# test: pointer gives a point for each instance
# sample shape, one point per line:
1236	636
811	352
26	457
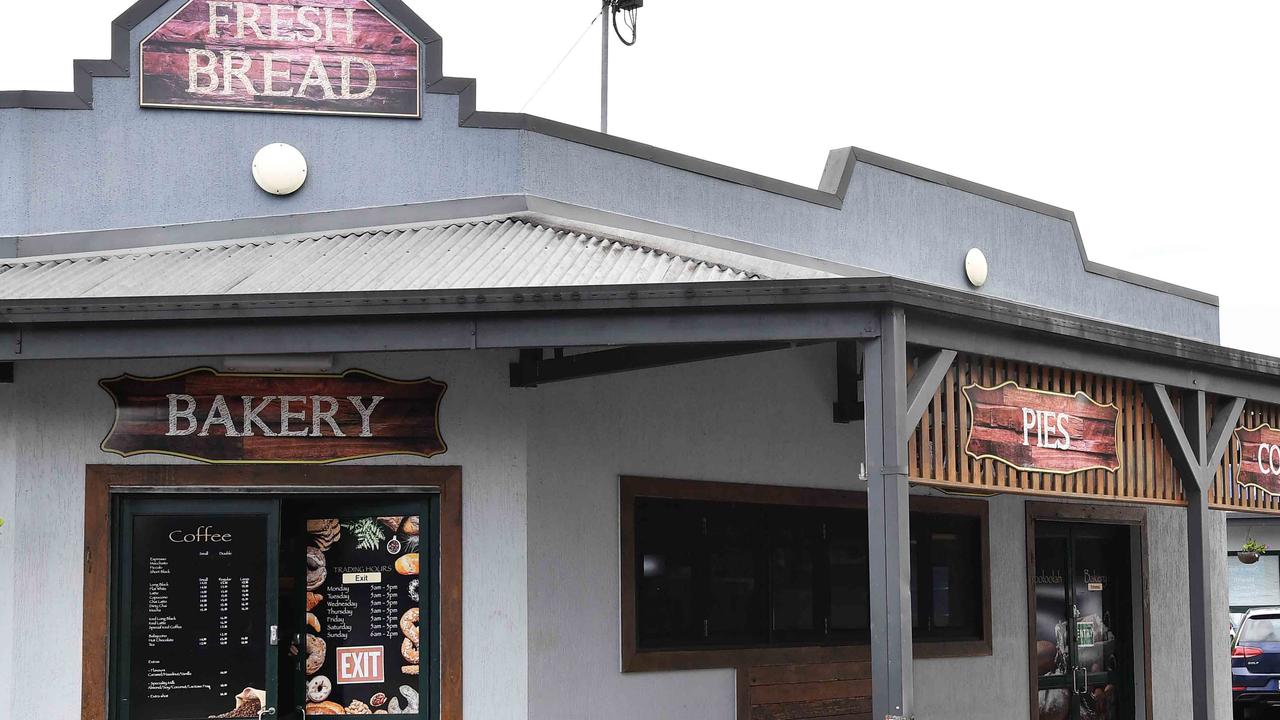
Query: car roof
1261	611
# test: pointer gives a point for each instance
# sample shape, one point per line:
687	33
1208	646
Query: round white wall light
279	168
975	267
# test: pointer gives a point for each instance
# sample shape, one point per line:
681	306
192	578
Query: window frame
104	483
635	659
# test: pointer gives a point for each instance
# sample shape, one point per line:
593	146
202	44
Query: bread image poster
362	649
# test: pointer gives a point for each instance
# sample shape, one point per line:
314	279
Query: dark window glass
669	562
795	553
720	574
847	562
946	581
737	601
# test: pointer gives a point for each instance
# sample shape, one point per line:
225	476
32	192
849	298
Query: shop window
235	607
752	567
1253	585
946	576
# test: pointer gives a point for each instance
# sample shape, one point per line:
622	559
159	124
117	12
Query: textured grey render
118	166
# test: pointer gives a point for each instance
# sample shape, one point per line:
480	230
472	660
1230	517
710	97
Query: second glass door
1083	611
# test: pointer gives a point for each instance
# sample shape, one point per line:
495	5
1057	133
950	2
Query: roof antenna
609	8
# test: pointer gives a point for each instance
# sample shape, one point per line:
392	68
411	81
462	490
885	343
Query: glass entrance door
1083	612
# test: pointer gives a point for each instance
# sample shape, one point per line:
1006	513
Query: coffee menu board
363	651
198	625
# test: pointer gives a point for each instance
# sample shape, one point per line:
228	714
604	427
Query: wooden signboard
1259	465
202	414
1040	431
337	57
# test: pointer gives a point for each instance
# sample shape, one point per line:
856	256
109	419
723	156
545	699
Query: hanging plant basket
1248	558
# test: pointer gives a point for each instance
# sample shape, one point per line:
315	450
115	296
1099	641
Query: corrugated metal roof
491	254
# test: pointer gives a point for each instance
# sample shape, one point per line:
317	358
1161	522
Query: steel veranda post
1196	452
885	393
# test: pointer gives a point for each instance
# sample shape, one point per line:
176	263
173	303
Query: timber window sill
663	660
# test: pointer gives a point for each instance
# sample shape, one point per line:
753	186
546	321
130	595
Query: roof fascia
967	315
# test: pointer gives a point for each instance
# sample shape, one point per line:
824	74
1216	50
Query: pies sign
202	414
1259	465
337	57
1040	431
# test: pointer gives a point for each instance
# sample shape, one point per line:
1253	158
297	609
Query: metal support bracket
848	406
532	369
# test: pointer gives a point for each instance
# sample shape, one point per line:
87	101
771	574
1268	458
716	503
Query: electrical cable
555	69
629	19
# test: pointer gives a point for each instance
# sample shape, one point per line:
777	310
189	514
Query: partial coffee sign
1259	458
338	57
1039	431
232	417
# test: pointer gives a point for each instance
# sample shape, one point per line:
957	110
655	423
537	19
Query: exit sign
360	665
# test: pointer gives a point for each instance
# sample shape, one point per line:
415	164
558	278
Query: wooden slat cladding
1229	494
834	691
936	451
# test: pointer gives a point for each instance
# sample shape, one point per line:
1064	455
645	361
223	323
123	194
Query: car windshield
1260	628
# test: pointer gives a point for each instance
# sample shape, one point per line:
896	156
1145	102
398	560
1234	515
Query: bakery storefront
324	393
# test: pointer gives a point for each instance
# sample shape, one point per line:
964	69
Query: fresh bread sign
234	417
339	57
1040	431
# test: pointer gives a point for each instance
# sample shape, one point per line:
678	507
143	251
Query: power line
555	69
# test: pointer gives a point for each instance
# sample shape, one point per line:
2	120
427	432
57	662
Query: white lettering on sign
360	665
278	78
299	415
204	533
1050	428
1269	459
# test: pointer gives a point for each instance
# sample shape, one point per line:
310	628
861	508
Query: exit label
360	665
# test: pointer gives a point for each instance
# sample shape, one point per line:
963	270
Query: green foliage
1254	546
368	531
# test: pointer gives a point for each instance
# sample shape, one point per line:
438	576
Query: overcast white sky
1154	121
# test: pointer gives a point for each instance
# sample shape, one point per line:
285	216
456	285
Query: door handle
1078	686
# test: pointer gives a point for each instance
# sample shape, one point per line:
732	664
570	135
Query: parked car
1255	661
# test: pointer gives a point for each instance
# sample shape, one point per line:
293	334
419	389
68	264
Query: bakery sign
1259	464
206	415
338	57
1041	431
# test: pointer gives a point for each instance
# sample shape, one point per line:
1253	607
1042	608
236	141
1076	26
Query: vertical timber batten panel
1231	490
1136	466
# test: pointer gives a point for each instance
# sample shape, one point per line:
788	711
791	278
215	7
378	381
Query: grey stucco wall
763	418
119	166
8	581
65	415
541	545
737	421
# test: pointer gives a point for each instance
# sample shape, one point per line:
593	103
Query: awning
504	253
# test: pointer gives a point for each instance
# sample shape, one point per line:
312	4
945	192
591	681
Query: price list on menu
198	633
